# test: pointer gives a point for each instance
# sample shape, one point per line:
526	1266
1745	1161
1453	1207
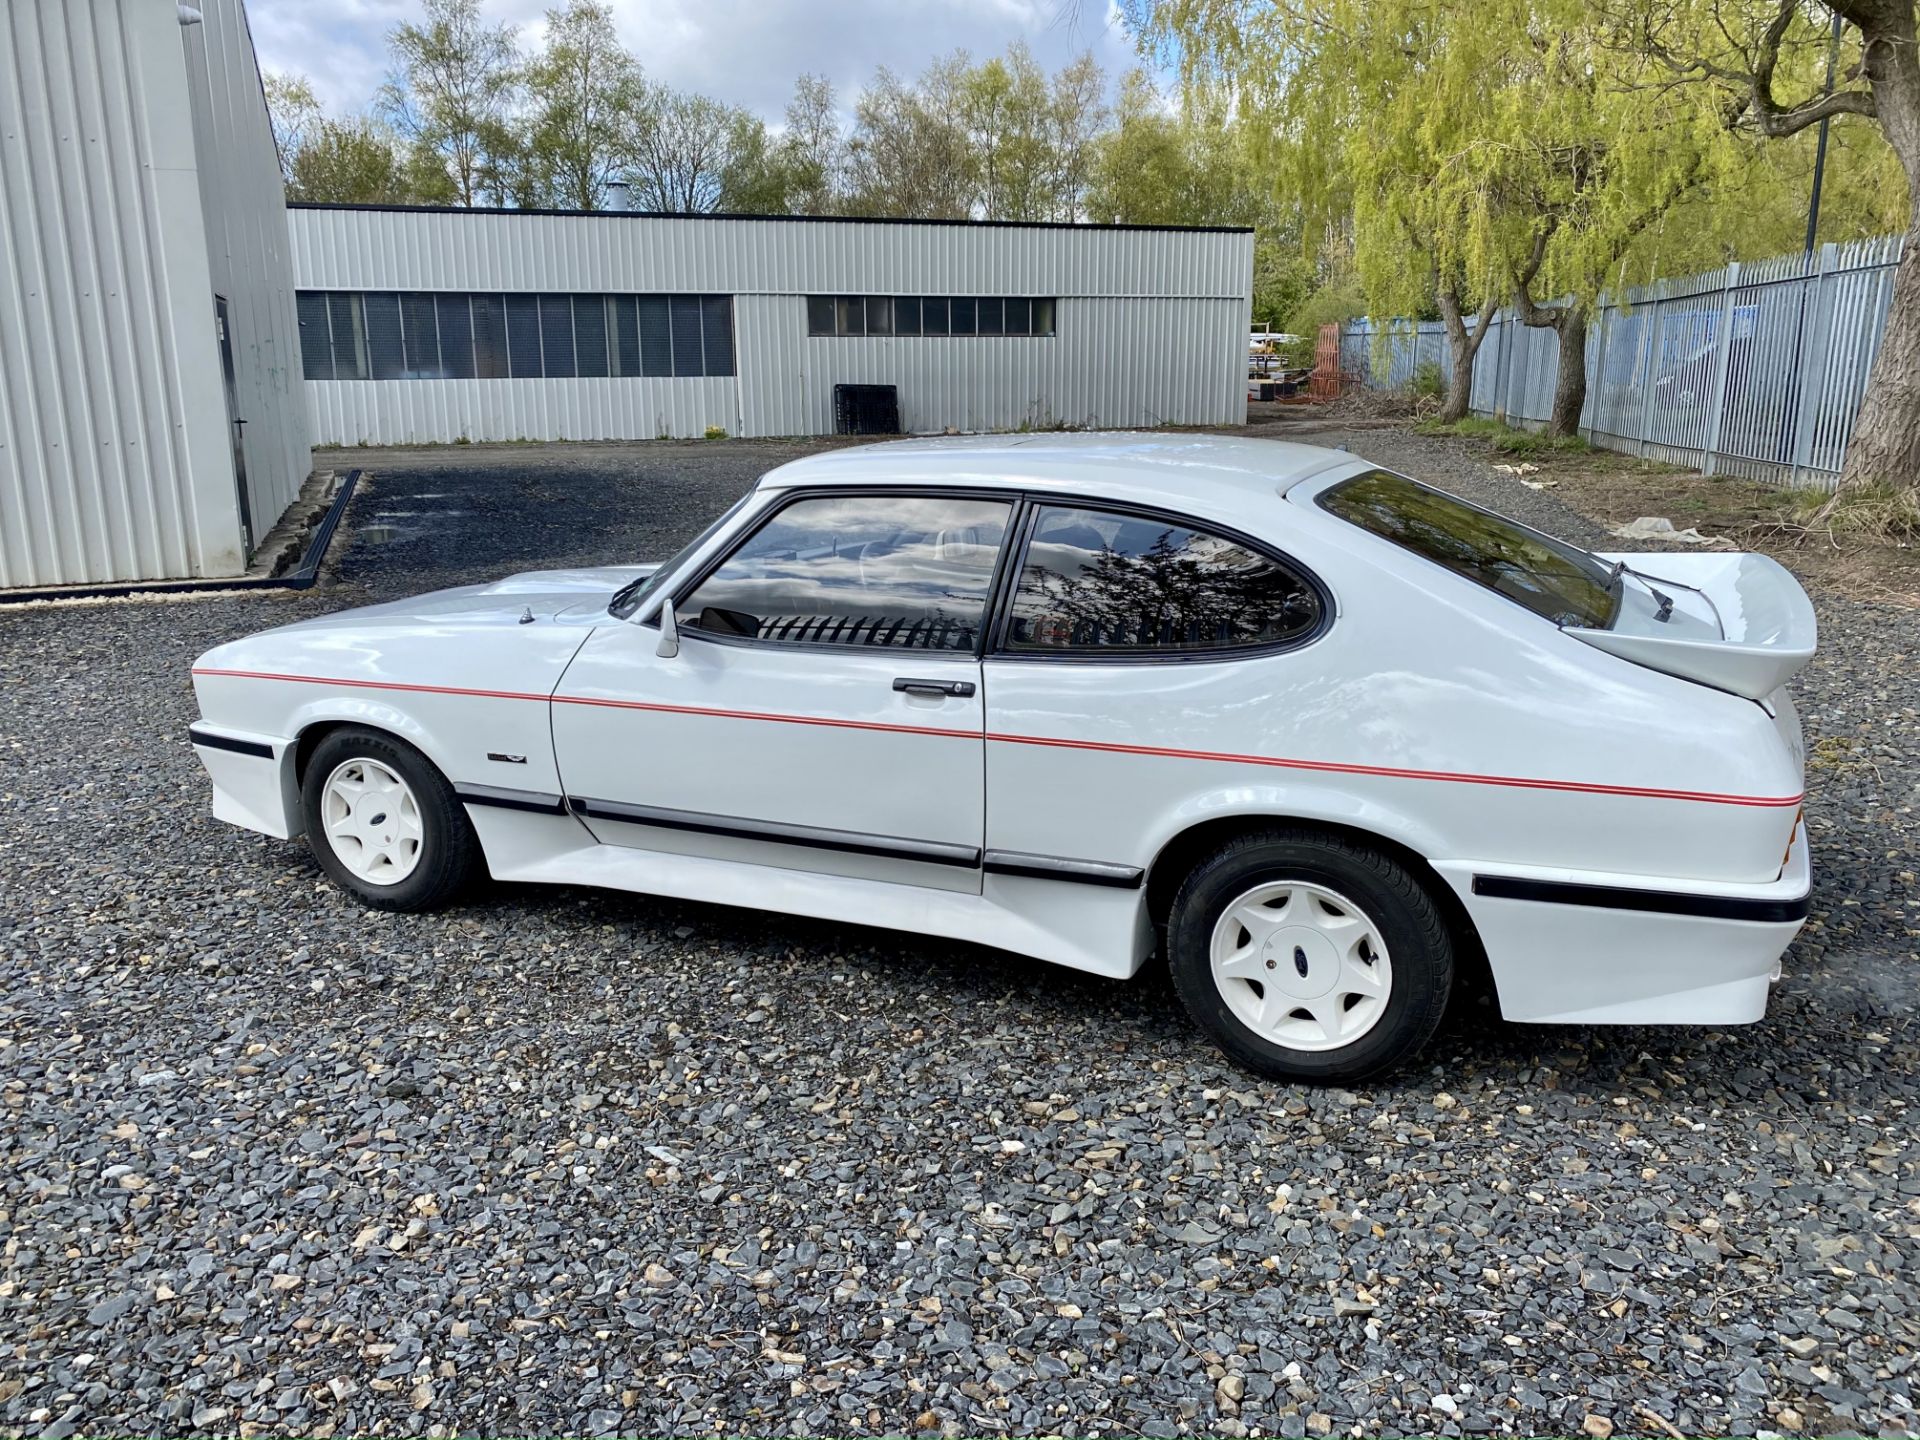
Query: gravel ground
570	1161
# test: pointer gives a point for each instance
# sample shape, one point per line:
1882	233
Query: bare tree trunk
1885	447
1567	321
1570	377
1463	348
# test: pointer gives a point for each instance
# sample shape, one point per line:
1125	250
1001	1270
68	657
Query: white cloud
746	52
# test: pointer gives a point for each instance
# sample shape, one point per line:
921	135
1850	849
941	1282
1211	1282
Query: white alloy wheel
1301	966
372	821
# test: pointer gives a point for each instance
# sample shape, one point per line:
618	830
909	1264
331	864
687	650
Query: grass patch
1505	438
1887	513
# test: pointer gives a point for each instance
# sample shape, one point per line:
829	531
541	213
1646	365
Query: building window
421	335
930	315
457	358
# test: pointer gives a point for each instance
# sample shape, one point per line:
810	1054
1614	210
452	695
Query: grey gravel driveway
569	1161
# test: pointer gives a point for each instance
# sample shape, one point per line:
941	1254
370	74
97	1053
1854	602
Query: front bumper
252	779
1591	949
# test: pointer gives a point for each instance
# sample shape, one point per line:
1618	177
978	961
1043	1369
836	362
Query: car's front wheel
384	823
1308	956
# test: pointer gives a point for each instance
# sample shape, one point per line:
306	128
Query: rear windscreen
1556	581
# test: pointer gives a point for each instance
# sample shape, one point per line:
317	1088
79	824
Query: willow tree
1481	150
583	88
1593	158
1375	111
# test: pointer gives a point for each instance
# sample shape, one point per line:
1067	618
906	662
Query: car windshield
631	596
1555	580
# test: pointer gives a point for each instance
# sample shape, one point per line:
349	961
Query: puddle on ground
417	514
379	534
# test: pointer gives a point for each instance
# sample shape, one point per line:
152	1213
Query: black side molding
504	799
209	740
1055	867
851	842
1657	902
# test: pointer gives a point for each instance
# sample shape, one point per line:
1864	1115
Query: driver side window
896	571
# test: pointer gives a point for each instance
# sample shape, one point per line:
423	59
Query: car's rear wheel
384	824
1308	956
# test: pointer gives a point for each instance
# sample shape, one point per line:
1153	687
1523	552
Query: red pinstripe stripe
760	715
821	720
1335	767
376	685
1394	773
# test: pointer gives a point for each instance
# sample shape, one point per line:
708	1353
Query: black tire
1408	921
449	853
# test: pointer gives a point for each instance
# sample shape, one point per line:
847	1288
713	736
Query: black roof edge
797	219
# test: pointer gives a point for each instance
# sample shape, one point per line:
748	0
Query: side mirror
669	645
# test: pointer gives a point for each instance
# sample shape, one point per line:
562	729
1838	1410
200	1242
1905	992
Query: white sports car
1323	734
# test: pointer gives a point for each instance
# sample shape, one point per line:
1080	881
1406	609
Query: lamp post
1820	148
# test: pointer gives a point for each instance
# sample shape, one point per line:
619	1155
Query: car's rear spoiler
1767	625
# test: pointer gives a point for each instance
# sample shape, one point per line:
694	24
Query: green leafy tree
1001	140
454	94
797	172
348	162
583	89
812	151
293	110
351	161
1076	118
1484	153
1164	166
1283	278
911	147
1031	135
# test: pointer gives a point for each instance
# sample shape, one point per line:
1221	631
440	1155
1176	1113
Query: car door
1138	651
823	711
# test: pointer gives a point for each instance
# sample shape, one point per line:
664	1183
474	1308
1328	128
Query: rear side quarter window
1554	580
1111	584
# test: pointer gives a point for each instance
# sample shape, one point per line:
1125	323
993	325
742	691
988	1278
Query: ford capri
1326	738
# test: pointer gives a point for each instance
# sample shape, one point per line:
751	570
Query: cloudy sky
746	52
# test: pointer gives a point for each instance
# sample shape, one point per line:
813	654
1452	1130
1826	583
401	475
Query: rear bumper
1590	949
252	778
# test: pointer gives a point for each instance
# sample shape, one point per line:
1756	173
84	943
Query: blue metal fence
1754	370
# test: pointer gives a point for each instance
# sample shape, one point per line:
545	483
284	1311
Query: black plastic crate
866	410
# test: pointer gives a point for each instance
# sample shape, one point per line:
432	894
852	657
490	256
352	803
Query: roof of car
1229	466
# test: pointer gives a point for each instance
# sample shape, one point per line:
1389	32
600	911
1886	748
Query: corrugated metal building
444	325
151	423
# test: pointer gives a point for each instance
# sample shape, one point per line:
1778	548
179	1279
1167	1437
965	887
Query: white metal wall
1150	326
115	458
250	254
1113	361
347	248
417	412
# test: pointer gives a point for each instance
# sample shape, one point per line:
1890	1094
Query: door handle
956	689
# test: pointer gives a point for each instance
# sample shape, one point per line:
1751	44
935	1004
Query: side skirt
1101	929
